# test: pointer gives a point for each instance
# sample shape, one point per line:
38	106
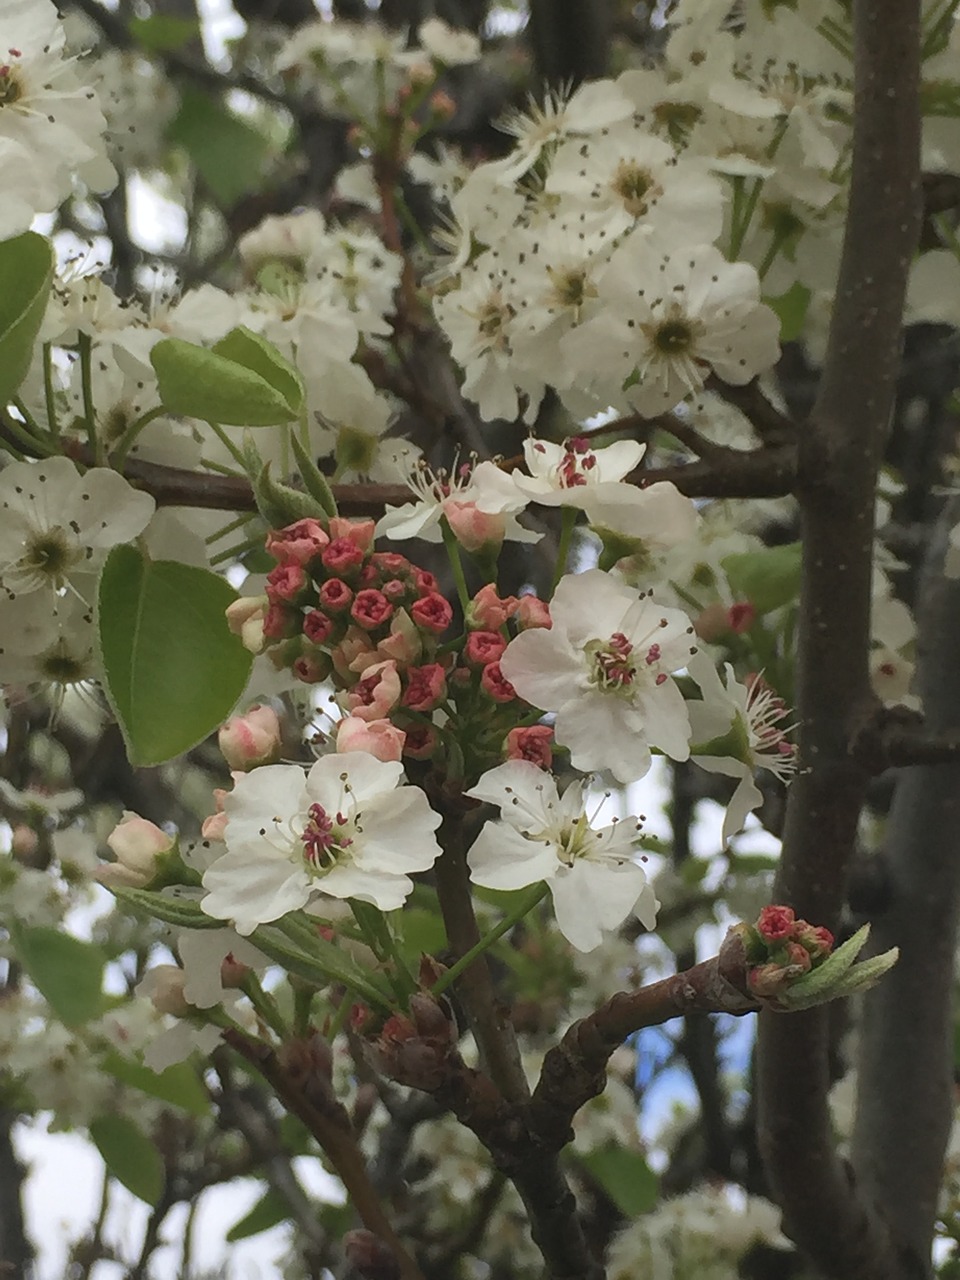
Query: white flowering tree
403	481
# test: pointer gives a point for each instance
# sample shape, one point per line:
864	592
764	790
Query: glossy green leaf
246	348
196	382
626	1178
178	1085
229	154
26	273
768	578
130	1156
67	971
269	1210
173	669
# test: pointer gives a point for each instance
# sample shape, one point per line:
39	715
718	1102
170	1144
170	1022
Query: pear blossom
663	329
604	667
45	107
566	474
593	878
346	829
483	490
57	523
593	106
736	730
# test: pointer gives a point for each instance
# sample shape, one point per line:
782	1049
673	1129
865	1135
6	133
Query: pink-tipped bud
776	923
138	846
488	610
494	683
298	543
251	739
359	532
426	687
483	647
534	743
474	529
533	612
378	738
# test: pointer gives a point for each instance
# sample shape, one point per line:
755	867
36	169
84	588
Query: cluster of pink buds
780	948
376	626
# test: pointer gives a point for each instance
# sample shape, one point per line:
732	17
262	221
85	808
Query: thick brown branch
897	737
838	457
574	1071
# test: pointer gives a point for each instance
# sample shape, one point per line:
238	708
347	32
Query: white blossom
542	836
604	667
57	523
346	829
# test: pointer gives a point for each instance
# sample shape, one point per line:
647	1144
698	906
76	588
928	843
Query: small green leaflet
130	1156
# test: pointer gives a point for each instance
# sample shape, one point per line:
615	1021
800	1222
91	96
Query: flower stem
456	564
526	904
569	520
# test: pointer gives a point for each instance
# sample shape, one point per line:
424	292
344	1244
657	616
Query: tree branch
905	1053
838	459
308	1097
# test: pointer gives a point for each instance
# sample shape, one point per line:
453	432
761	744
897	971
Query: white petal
501	858
522	791
591	897
543	667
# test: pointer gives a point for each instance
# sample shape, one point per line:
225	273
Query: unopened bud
251	739
163	986
138	845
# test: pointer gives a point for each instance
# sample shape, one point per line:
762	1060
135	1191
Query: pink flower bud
317	627
378	738
342	557
425	581
298	543
422	741
474	529
232	972
251	739
495	683
432	612
311	668
138	845
488	610
712	623
335	595
426	687
483	647
775	923
281	622
371	609
353	654
287	583
239	612
798	956
817	940
373	697
533	743
403	643
533	612
359	532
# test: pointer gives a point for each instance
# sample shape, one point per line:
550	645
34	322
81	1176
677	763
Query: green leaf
67	971
179	1085
197	383
314	481
626	1178
269	1210
423	932
26	273
246	348
230	155
768	578
163	33
791	307
130	1156
172	667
